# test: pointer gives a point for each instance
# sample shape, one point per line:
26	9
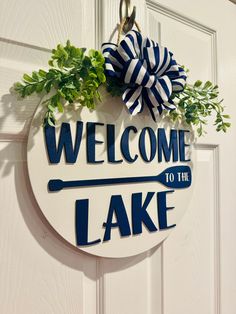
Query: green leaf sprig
74	76
196	103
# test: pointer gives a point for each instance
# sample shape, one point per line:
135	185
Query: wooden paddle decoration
177	177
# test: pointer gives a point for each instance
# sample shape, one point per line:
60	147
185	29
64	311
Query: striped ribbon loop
149	70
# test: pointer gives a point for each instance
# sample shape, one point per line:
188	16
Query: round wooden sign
111	184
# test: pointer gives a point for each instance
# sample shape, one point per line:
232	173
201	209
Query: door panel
191	254
132	285
193	44
39	272
45	23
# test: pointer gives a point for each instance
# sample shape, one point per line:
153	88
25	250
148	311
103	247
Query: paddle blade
177	177
55	185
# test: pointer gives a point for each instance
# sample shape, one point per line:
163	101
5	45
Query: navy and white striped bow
149	70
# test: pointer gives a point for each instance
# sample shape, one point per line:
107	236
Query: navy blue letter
124	143
65	140
163	145
153	144
91	143
182	145
117	207
162	209
111	144
139	213
81	223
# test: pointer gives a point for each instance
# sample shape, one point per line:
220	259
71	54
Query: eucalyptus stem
198	102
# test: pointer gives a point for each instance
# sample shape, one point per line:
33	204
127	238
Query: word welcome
172	147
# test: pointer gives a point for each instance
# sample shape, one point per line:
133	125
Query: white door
193	271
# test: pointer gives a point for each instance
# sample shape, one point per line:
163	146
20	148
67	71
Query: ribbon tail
149	103
133	99
169	105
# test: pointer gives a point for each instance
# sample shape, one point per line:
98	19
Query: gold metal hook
125	14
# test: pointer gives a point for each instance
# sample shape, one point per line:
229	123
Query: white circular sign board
110	218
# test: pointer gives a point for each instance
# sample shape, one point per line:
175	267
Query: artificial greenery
193	105
115	86
74	76
196	103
